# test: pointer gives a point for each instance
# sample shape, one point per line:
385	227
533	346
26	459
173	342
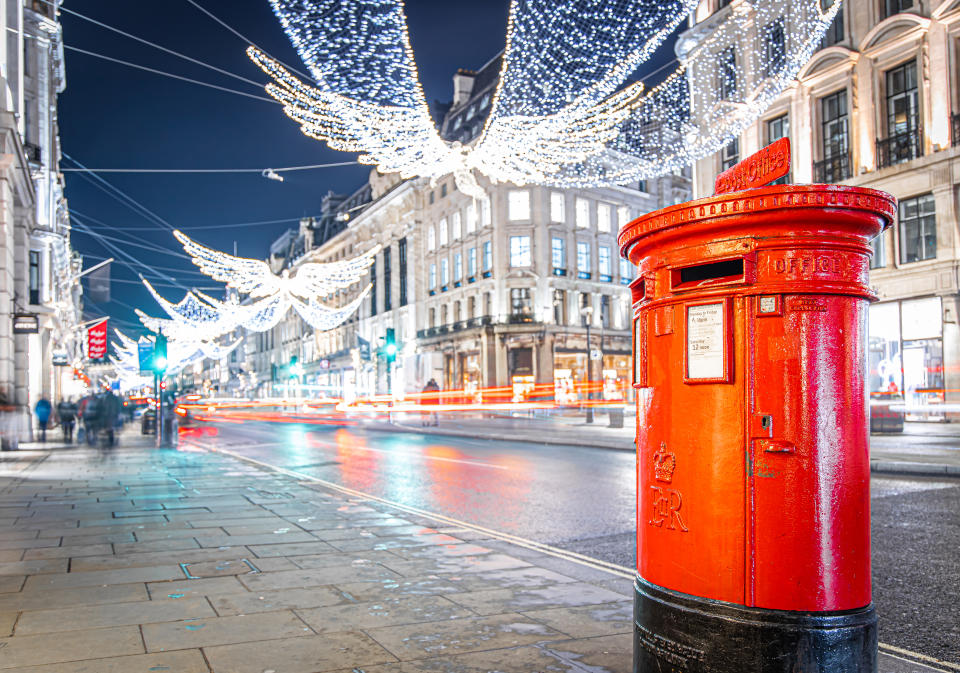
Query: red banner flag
97	340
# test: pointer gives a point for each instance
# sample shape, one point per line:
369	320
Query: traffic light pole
157	417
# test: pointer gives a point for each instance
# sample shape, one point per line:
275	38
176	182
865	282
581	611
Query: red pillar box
753	474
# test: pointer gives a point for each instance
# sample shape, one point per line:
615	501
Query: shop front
906	356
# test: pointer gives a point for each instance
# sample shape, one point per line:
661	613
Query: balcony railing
832	170
899	148
458	326
955	128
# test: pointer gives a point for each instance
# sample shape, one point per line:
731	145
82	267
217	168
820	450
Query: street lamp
587	313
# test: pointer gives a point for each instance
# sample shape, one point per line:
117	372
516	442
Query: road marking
588	561
917	659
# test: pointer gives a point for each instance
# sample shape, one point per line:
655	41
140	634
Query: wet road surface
583	500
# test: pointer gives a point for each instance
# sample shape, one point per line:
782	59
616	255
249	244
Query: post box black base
685	634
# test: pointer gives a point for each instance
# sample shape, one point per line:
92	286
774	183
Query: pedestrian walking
42	409
90	413
432	396
108	411
67	411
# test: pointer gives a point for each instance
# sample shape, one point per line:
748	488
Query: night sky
113	116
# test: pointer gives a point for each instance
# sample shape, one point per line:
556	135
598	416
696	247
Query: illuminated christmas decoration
564	112
181	353
276	294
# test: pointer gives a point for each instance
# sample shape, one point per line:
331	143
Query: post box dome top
740	194
728	210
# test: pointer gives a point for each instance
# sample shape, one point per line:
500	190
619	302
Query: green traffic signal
390	344
159	361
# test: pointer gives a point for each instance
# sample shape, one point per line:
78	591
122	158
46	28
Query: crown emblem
664	462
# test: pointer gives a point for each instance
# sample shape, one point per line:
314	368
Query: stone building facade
879	106
38	270
481	293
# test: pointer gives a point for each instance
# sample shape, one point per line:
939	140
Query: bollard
753	502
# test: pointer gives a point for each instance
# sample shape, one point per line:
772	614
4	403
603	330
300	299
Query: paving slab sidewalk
196	562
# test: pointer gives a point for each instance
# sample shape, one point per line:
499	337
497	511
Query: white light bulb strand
557	117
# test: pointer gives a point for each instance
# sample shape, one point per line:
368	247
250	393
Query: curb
906	467
876	466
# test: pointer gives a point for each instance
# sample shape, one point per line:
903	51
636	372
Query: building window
485	218
557	207
834	138
433	317
521	304
487	303
903	141
432	238
387	299
604	267
892	7
443	314
519	251
518	205
431	199
472	262
918	229
774	48
402	254
560	307
730	155
728	73
456	226
834	34
471	217
34	276
626	271
776	129
443	190
605	311
879	259
487	259
623	216
373	288
558	255
458	266
582	213
444	273
583	259
433	277
471	308
604	217
443	232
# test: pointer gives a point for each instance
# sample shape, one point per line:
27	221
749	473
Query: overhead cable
210	170
167	74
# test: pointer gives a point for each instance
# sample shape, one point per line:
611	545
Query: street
583	499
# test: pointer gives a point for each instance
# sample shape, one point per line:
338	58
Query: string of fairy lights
564	112
195	323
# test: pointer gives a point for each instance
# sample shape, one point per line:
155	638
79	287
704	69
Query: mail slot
753	503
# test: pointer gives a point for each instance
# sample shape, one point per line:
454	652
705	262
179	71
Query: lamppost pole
587	313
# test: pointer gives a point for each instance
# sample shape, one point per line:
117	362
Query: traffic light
159	363
390	344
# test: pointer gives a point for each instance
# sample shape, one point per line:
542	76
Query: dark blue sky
113	116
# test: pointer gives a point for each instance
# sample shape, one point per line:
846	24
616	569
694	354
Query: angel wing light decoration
564	112
273	294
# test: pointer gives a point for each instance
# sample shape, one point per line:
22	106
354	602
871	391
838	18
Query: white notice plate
706	345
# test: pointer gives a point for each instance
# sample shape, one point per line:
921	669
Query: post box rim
751	201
